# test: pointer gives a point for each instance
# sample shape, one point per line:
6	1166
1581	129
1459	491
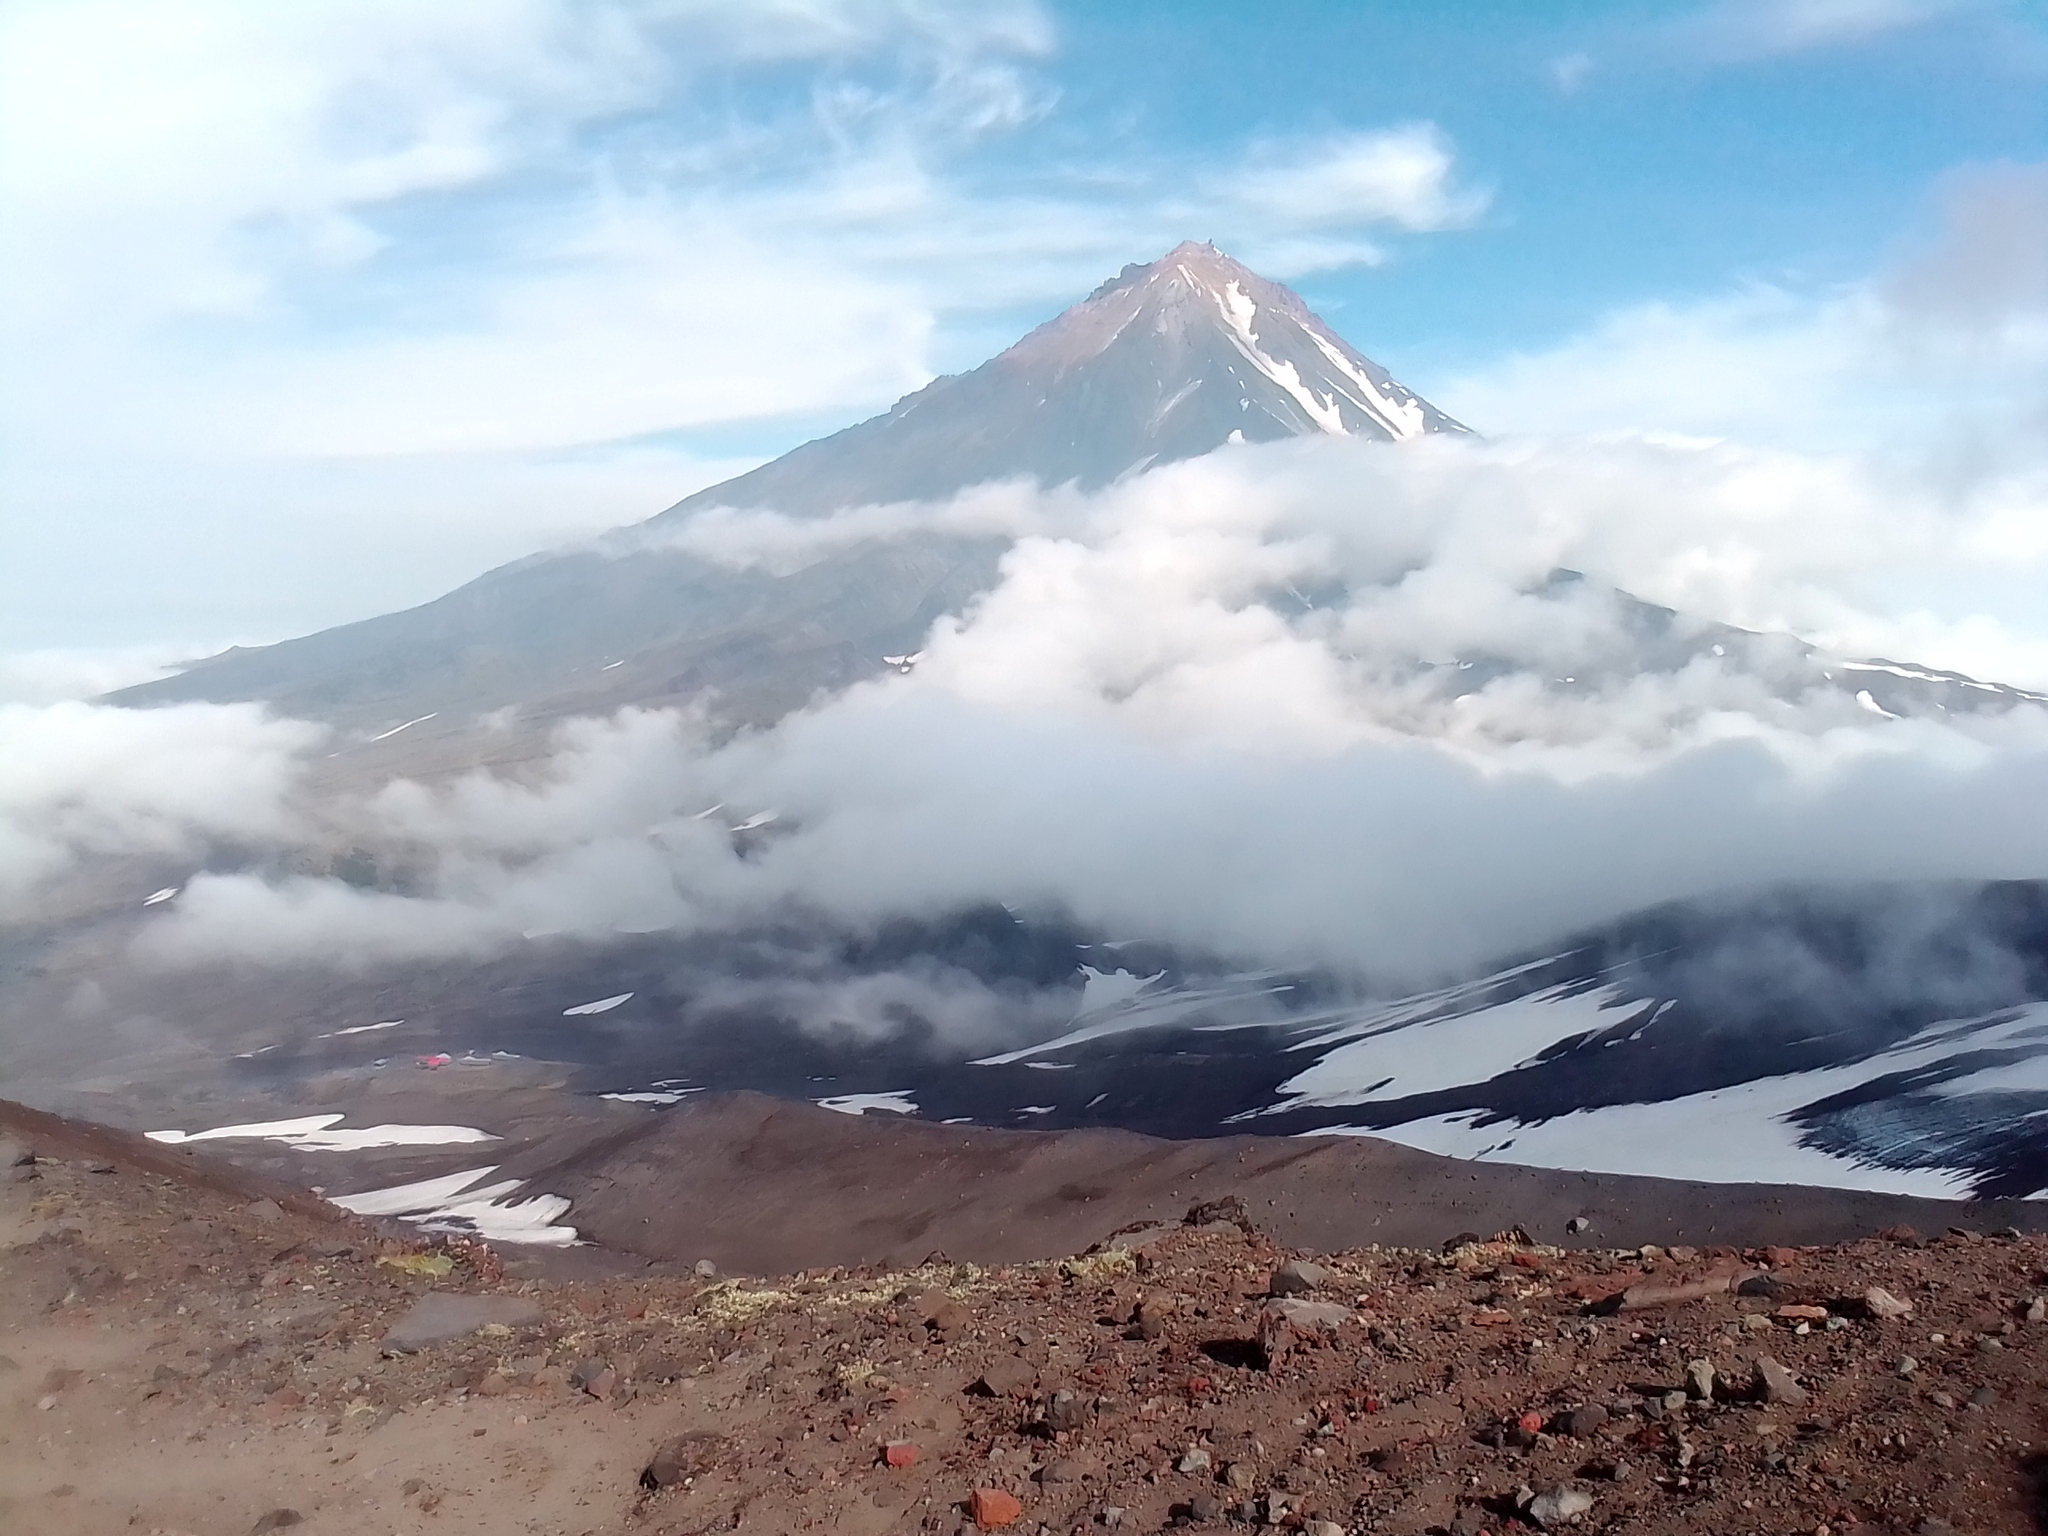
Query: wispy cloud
1759	29
1403	177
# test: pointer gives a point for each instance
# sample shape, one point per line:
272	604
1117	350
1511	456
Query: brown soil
183	1358
764	1185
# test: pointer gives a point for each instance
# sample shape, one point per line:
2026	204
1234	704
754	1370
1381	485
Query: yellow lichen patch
1110	1264
733	1306
436	1265
855	1373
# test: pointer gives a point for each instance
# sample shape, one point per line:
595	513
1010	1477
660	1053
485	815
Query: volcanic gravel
181	1358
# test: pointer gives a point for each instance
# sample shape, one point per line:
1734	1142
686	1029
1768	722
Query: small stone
1882	1304
1755	1322
1585	1422
1070	1469
1941	1400
1620	1472
1579	1224
1308	1316
704	1269
275	1520
1066	1412
1297	1277
1983	1397
1112	1516
1151	1314
1802	1314
1929	1525
946	1317
1196	1460
1559	1506
594	1378
899	1453
1699	1379
1241	1476
1323	1528
268	1210
1674	1402
992	1508
1008	1376
1205	1508
1987	1345
494	1384
1906	1367
1471	1522
2037	1310
680	1457
1775	1384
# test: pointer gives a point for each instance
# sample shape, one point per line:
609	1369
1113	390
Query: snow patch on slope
1238	313
323	1133
1398	1056
452	1203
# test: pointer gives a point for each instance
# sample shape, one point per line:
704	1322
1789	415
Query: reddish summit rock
993	1509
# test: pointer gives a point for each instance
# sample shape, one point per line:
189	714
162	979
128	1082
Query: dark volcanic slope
760	1185
1166	361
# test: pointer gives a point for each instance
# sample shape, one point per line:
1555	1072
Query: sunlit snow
324	1133
602	1005
451	1203
408	725
897	1103
360	1029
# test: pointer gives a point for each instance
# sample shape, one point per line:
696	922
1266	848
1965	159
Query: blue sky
309	312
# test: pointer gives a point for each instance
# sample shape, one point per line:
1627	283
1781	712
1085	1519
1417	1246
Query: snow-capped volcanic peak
1224	345
1168	360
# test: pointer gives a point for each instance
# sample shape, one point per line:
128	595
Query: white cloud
1926	384
1569	72
79	779
1751	29
1145	725
55	675
1404	177
1986	267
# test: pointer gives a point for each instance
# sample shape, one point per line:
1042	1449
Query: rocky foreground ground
182	1357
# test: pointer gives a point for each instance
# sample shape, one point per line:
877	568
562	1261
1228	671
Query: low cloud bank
78	780
1218	706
